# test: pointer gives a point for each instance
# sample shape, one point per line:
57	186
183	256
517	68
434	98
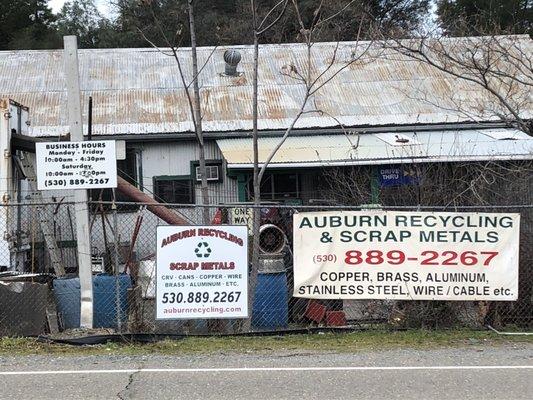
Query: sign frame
388	258
245	278
85	165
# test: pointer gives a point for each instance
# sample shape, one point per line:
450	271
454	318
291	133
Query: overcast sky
105	8
102	5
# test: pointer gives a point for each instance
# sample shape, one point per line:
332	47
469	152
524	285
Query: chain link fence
38	297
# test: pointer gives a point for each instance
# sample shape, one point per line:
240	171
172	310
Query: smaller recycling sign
202	272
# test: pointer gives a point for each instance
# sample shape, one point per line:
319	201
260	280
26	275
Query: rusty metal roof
368	149
139	91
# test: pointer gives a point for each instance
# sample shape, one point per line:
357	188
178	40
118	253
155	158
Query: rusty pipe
152	205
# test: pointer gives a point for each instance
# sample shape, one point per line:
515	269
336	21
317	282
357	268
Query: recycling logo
202	250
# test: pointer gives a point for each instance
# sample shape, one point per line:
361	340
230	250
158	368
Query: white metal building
394	110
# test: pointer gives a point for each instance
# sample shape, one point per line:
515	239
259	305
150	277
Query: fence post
116	269
83	236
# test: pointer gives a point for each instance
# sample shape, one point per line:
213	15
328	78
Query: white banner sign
76	165
406	255
202	272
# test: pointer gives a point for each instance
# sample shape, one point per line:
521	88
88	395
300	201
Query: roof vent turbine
232	58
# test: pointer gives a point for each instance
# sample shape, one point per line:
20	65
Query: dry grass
330	342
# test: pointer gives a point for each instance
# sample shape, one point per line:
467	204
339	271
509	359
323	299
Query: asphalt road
476	372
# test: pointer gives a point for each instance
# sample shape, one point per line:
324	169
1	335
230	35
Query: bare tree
500	68
487	186
192	89
303	72
260	27
194	99
197	112
441	185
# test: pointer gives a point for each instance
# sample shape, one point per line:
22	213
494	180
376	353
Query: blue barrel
270	308
106	301
67	294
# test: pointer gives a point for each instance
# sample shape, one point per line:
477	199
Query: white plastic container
146	278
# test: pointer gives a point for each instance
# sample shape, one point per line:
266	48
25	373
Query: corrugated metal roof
366	149
138	91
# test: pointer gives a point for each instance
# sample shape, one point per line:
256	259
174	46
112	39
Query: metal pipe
510	333
158	209
116	269
180	136
90	119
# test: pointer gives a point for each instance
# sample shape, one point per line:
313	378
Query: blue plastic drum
105	305
67	294
270	308
106	301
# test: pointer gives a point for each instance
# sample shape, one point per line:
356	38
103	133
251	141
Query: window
278	186
127	169
212	172
285	185
174	189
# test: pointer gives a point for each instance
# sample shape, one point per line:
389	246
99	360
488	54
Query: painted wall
157	159
175	159
169	159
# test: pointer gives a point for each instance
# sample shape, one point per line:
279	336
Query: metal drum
271	264
272	239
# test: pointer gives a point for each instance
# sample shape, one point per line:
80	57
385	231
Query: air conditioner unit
212	172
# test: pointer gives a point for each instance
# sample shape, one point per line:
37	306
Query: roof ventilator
232	58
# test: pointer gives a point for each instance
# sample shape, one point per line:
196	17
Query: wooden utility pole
80	196
197	114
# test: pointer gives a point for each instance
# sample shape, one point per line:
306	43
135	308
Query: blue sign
398	175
